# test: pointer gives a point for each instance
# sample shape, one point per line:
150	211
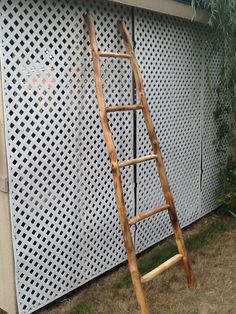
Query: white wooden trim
7	275
169	7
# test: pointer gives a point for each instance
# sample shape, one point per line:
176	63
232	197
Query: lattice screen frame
81	236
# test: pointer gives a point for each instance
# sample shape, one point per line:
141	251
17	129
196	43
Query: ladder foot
192	283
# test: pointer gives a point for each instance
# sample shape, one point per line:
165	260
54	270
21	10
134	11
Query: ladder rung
109	54
136	160
147	214
158	270
125	108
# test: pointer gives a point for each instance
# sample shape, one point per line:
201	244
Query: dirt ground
214	266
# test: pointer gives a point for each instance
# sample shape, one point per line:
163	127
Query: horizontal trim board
169	7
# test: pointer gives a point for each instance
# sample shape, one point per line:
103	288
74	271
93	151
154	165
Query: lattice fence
171	57
65	225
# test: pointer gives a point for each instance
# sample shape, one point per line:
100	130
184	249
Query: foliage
223	24
228	178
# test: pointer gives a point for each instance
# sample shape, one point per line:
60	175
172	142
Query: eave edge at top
169	7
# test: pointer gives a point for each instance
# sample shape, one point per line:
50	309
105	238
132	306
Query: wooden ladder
156	155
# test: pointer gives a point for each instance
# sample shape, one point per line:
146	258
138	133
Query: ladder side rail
159	161
132	260
147	116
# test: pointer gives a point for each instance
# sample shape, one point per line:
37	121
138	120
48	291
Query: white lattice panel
211	158
170	51
65	224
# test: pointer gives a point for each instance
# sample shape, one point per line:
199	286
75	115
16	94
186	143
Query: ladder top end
87	15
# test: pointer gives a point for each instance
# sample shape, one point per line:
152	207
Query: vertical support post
7	275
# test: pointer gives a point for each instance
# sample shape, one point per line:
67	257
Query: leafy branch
223	23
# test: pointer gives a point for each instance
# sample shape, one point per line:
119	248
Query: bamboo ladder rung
123	108
136	160
160	269
109	54
148	213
